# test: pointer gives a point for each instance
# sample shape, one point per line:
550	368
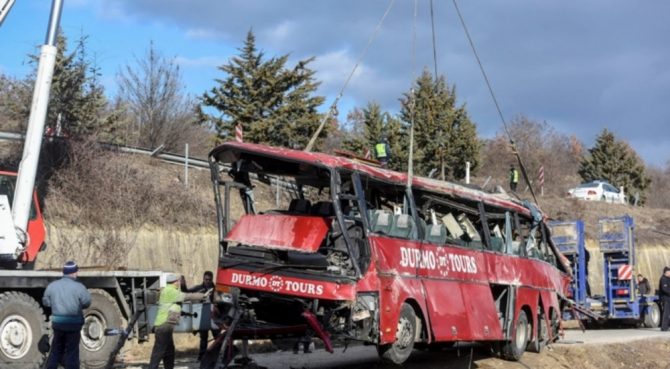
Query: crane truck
116	295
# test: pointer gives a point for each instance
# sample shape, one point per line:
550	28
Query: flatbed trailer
116	297
620	302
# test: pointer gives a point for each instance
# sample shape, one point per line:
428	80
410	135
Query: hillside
123	211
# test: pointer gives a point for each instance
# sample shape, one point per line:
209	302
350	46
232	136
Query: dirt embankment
149	248
645	354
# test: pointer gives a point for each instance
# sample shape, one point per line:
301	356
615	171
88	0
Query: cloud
582	66
204	33
205	61
280	33
366	83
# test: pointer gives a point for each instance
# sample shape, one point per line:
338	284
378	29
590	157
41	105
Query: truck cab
34	239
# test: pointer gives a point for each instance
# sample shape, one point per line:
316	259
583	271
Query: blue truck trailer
621	301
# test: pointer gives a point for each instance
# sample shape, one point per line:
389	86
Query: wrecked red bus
341	250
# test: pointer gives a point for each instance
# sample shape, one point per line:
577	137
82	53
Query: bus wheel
513	349
555	325
103	313
652	316
22	326
538	344
398	352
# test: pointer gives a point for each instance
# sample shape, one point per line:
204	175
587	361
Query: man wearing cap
664	294
67	298
169	312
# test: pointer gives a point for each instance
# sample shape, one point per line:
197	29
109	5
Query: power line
495	101
312	141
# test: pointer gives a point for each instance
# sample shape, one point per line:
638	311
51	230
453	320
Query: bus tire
22	327
95	348
542	336
398	352
514	348
555	325
652	316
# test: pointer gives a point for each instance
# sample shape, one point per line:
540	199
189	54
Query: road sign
625	272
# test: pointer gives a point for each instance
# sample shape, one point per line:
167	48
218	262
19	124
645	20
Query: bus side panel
397	281
370	281
447	310
503	269
482	314
550	300
528	296
460	303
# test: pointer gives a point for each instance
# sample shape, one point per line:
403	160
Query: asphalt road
363	357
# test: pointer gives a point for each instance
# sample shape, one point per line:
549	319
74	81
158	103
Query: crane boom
25	182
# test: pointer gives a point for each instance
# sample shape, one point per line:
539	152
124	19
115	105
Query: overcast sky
579	65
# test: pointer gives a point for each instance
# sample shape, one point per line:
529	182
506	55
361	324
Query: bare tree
659	191
539	145
153	93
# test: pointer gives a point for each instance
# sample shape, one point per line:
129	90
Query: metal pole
186	165
467	172
36	122
5	6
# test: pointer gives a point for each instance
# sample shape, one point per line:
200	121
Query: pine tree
444	136
77	99
375	125
616	162
274	104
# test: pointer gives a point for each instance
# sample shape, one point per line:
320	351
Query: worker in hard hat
383	152
169	313
513	178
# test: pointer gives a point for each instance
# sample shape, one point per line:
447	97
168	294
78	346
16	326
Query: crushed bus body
342	250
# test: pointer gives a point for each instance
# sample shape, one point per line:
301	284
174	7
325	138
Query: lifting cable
412	104
495	101
333	107
432	24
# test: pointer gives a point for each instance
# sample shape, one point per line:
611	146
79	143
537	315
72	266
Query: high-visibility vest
380	150
514	176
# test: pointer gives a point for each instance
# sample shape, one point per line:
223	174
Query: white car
597	191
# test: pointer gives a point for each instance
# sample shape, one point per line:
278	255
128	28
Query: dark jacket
67	298
200	288
664	288
644	287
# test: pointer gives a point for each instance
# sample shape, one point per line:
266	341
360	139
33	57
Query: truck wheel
652	317
514	349
398	352
103	313
22	326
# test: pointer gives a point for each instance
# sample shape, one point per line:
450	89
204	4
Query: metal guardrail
167	157
11	136
197	163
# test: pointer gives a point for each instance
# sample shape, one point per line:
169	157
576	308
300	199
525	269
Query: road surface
465	357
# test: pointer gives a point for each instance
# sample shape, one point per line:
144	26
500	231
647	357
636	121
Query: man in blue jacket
67	298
